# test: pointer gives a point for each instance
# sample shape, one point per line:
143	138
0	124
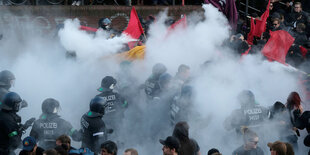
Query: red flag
278	46
246	52
260	26
88	28
182	23
134	28
251	33
303	51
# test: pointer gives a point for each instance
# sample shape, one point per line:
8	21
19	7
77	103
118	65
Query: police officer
181	106
94	131
11	128
116	104
250	113
50	125
151	86
105	24
6	81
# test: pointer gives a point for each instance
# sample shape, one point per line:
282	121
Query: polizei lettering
253	111
109	98
48	125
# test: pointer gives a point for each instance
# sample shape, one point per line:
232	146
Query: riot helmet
11	102
98	105
6	78
50	106
104	23
159	69
164	81
107	83
246	98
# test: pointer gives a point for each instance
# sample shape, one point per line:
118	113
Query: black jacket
93	131
10	134
49	127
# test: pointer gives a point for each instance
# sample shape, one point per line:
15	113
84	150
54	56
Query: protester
249	146
277	148
50	152
214	151
170	146
187	146
295	110
108	148
30	147
131	151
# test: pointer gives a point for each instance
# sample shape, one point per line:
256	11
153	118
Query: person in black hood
188	146
50	125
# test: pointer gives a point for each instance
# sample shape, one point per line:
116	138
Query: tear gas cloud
42	70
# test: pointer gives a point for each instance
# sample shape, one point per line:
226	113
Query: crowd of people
172	97
101	2
290	16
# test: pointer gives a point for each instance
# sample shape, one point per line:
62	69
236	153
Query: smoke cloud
42	70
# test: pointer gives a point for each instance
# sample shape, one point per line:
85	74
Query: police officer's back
94	131
50	125
11	128
116	104
250	114
6	80
152	88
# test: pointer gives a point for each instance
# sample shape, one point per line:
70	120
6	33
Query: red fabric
181	22
134	28
88	28
260	26
246	52
303	51
278	46
251	33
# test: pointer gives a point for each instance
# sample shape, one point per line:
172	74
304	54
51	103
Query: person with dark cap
250	114
50	125
108	148
152	88
11	129
188	146
170	146
30	147
116	104
214	151
94	131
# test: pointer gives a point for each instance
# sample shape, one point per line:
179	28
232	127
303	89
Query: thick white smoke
41	69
